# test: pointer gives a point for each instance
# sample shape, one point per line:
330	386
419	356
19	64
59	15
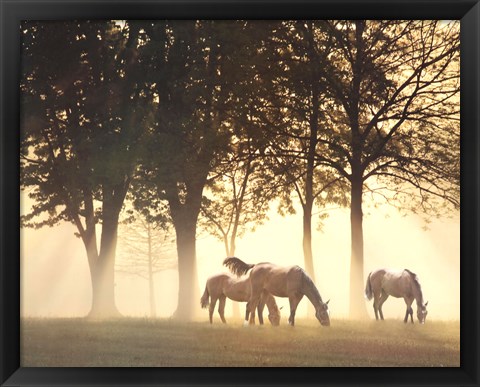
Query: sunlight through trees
204	124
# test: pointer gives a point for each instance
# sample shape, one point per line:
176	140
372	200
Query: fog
55	278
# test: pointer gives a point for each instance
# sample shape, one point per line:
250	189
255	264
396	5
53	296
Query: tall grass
168	343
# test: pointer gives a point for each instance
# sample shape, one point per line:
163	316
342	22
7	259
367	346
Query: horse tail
237	266
204	301
368	288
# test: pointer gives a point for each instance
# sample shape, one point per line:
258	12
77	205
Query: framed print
239	193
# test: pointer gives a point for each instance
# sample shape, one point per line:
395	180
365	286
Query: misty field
133	342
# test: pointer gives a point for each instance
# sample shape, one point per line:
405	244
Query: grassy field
167	343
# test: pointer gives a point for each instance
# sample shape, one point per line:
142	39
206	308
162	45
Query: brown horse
221	286
404	284
291	282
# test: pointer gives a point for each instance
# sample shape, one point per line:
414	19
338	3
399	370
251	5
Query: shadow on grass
142	342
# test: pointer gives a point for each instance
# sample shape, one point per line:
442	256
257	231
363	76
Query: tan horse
221	286
404	284
290	281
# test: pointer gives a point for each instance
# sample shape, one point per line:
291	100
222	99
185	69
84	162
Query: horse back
277	280
216	283
238	289
397	283
376	278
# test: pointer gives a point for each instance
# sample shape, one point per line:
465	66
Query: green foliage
185	97
79	141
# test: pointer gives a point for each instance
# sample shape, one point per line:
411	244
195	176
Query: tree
370	101
81	125
394	120
144	250
235	206
185	61
294	53
239	186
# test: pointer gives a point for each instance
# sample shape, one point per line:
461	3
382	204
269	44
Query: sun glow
55	277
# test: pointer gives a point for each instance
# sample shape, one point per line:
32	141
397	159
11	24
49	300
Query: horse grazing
291	282
221	286
404	284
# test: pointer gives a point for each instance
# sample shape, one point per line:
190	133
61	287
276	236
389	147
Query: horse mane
237	266
415	280
310	285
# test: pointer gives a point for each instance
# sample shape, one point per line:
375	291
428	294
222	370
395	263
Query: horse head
274	317
323	314
422	313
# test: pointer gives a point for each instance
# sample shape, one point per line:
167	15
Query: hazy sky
55	277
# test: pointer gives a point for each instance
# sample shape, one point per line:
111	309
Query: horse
279	281
221	286
404	284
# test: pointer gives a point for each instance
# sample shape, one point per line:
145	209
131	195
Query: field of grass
133	342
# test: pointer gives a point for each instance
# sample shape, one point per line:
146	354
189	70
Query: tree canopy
222	117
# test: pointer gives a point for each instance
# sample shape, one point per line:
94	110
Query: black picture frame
13	11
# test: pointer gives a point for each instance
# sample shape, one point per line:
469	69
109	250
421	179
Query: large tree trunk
103	300
308	205
312	146
102	273
307	241
151	287
188	290
102	268
357	302
307	249
184	216
310	164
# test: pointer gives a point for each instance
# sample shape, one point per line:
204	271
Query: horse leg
407	313
376	300
251	306
221	308
211	308
294	300
409	310
261	306
383	298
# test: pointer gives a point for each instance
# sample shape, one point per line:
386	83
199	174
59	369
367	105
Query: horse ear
426	303
327	302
